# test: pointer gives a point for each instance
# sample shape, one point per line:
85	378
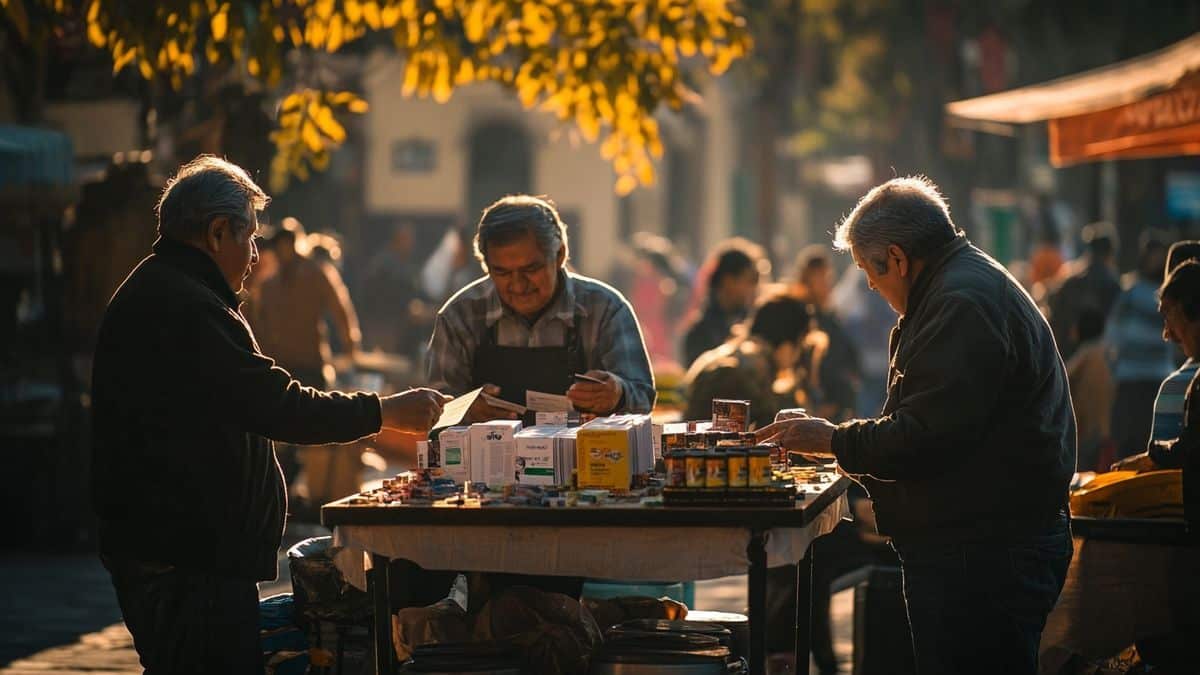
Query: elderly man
969	464
531	325
185	481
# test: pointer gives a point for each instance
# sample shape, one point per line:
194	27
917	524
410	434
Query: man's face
742	289
892	283
1177	328
237	250
525	277
819	280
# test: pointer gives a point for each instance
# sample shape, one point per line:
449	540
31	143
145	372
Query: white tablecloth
625	553
1115	593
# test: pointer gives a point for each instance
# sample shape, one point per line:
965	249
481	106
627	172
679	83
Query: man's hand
600	399
482	411
808	436
1140	462
414	411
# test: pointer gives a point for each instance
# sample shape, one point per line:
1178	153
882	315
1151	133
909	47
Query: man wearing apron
531	325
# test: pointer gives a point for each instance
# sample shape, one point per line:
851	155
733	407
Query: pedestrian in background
731	278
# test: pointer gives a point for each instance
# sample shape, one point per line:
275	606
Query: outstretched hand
414	411
807	436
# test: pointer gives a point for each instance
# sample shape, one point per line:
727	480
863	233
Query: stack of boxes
607	452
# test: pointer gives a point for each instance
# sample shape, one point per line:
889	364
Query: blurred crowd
812	335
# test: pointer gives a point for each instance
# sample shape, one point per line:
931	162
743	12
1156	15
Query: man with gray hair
532	325
189	495
969	464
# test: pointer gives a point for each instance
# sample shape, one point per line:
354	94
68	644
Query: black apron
519	369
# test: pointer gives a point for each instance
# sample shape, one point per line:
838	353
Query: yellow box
602	457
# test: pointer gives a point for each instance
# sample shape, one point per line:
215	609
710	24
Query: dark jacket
708	332
977	437
183	404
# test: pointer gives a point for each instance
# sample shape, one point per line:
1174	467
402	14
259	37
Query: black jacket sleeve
232	378
954	370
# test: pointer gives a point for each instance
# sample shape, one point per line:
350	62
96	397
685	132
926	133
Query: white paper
542	402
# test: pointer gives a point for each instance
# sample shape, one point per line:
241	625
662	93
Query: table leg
804	587
756	551
377	580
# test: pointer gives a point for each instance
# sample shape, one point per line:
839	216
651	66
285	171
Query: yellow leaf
320	161
687	45
370	12
324	9
412	76
310	136
315	33
146	68
93	11
211	52
123	60
96	34
336	36
721	62
442	87
466	72
646	173
357	106
292	102
253	67
329	126
219	25
353	11
295	34
473	24
625	185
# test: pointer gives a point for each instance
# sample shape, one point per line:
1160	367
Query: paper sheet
455	411
540	401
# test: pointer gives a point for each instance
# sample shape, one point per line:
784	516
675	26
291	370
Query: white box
535	463
493	447
455	453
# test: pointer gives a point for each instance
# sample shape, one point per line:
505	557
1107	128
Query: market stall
564	499
1143	107
633	542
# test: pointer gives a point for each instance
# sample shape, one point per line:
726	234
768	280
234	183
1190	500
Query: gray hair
516	216
205	188
908	212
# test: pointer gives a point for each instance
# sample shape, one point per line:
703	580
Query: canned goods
760	466
730	414
717	470
676	465
674	441
739	467
695	466
694	439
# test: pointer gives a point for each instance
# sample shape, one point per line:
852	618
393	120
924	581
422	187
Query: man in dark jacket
969	464
185	481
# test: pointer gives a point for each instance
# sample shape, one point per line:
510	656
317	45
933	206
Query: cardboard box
455	453
604	456
493	447
535	463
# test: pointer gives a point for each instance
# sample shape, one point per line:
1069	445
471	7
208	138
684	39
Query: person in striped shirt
1168	405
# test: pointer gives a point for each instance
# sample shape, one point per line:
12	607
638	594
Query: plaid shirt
608	331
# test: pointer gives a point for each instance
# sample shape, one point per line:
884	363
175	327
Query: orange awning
1143	107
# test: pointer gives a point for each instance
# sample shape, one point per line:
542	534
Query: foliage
862	96
605	65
